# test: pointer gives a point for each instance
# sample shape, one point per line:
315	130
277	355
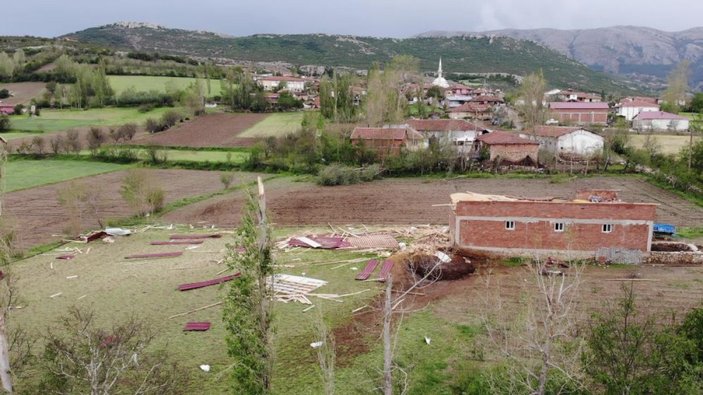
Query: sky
380	18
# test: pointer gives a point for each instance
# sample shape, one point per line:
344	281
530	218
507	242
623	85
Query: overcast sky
388	18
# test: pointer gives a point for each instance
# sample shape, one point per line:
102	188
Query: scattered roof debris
195	326
207	283
176	242
196	236
366	273
288	288
155	256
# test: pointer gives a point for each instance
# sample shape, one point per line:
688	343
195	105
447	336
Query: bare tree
531	95
536	339
80	200
84	358
675	94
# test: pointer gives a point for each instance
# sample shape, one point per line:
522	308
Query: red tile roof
652	115
361	133
499	137
629	103
471	107
578	106
487	98
444	125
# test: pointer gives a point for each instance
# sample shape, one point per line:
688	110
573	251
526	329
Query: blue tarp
665	228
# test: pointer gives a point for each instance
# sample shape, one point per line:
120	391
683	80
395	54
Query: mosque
440	81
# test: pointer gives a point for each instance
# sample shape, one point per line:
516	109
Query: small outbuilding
562	140
660	121
388	141
507	147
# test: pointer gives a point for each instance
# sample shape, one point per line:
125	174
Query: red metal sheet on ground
195	236
66	257
366	273
385	270
197	326
207	283
95	236
175	242
326	242
157	255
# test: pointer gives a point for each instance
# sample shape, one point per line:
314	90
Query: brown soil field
212	130
37	216
23	91
410	201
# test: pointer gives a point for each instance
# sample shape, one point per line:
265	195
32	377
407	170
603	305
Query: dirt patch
43	219
671	247
410	201
211	130
429	266
22	92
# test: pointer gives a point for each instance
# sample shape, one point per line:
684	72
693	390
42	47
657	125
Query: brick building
573	228
580	113
507	146
389	140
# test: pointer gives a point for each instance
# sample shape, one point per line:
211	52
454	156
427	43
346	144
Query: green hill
464	54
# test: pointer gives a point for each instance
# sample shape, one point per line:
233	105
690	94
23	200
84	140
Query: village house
630	108
471	110
388	141
459	133
580	113
582	227
568	141
292	84
659	121
507	147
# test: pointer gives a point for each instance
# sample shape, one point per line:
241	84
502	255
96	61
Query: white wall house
566	140
630	109
292	84
459	133
659	121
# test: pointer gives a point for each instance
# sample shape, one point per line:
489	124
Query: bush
38	145
57	144
155	156
140	193
226	179
127	131
4	93
73	142
96	138
153	126
155	198
171	118
19	109
4	123
337	175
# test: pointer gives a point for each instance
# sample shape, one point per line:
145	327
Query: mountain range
460	54
641	53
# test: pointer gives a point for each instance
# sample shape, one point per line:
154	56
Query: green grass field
275	125
121	83
194	155
22	174
18	135
117	288
669	144
58	120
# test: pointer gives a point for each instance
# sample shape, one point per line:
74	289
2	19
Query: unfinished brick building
594	221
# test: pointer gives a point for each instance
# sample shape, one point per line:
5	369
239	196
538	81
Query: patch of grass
58	120
275	125
669	144
145	83
179	155
18	134
23	174
690	233
514	261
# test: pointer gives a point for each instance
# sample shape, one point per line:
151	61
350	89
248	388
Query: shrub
38	145
57	144
226	179
155	198
127	131
170	118
140	193
4	123
155	156
153	126
19	109
96	138
4	93
336	174
73	142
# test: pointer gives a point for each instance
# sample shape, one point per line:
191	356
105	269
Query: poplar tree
248	305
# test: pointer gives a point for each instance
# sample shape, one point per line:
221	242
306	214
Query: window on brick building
510	225
559	227
607	228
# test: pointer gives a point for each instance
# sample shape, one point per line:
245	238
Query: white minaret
440	81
